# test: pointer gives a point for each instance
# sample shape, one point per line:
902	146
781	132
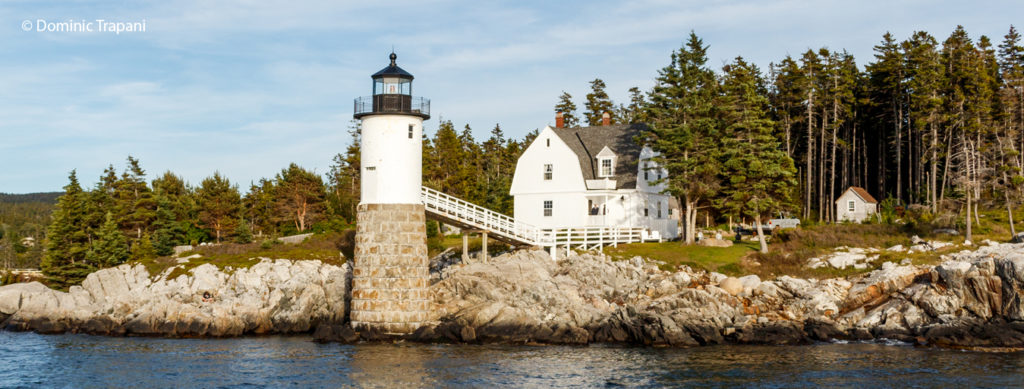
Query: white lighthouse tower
391	269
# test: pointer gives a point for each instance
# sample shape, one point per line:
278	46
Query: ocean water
82	361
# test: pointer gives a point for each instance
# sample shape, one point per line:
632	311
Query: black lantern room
392	94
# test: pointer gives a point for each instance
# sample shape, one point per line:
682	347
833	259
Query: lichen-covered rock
279	296
524	296
973	299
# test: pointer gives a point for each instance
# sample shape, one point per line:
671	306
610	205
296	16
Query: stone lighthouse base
391	271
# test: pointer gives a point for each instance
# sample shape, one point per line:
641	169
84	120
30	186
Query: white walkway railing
465	214
474	216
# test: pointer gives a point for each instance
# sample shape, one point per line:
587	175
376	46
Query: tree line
126	217
23	222
939	125
924	123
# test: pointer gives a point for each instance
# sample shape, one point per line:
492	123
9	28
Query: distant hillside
43	197
24	216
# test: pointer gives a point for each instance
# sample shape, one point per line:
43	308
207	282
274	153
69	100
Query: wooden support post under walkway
483	251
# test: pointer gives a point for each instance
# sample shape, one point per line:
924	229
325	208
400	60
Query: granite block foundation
391	270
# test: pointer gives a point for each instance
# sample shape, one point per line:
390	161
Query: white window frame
549	208
601	167
659	209
851	206
549	171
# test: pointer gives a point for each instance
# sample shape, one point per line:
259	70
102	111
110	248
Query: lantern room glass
392	86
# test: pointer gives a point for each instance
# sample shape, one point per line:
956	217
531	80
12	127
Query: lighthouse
390	270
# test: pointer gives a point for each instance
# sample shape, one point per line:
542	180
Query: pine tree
243	233
66	242
111	246
219	204
134	204
446	173
299	197
598	103
632	113
684	130
924	74
810	67
259	207
167	231
568	110
761	177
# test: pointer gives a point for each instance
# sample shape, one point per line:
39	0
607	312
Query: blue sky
245	87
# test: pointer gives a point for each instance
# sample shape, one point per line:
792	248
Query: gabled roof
863	194
587	142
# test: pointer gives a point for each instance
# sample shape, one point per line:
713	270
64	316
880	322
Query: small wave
879	341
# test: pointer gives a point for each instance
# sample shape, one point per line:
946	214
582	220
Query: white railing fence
469	215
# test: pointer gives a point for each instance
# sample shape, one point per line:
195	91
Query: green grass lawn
323	247
725	260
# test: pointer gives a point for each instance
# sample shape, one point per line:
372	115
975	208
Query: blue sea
83	361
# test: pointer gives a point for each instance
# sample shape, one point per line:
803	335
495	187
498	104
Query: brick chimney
559	119
606	119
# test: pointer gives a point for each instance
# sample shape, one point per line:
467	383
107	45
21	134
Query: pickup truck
782	223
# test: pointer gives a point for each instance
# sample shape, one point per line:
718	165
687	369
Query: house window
606	167
371	168
647	165
659	210
548	170
659	174
851	206
647	209
548	205
410	131
549	142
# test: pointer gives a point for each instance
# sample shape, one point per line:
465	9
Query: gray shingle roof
586	142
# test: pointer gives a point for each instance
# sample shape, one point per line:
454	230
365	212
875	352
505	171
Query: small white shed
855	205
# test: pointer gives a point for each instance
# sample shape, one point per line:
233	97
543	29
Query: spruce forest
929	124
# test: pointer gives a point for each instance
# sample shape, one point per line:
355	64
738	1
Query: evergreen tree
66	242
259	208
243	234
167	231
299	196
632	113
886	94
445	173
342	180
110	247
598	103
684	130
134	204
760	176
568	110
924	74
497	171
219	204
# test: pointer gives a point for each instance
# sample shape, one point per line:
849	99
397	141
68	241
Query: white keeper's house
591	177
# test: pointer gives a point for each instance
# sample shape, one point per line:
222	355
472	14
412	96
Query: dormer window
606	163
606	167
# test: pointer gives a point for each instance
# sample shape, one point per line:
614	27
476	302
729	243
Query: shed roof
586	142
863	194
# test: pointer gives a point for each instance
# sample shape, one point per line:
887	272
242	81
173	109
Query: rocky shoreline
973	299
